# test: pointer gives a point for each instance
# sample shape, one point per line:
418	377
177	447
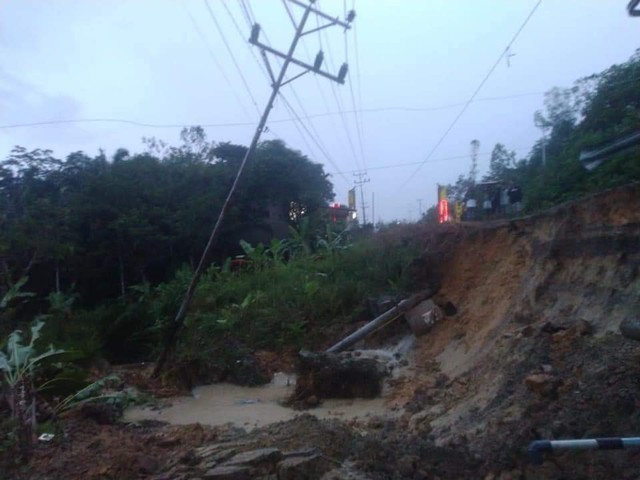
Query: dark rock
584	327
101	413
543	384
146	465
228	473
407	465
189	458
303	468
262	460
630	328
224	455
311	401
166	442
326	375
246	370
441	380
550	327
449	309
306	452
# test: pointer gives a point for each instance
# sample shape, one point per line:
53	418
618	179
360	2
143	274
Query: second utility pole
362	179
176	325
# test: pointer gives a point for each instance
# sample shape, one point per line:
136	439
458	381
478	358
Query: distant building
339	213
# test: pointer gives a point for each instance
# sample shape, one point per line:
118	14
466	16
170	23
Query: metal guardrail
593	157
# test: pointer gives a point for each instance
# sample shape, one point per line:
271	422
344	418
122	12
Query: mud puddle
251	407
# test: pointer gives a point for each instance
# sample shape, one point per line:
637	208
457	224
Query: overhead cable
475	93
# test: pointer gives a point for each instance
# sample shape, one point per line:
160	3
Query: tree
502	165
106	225
458	191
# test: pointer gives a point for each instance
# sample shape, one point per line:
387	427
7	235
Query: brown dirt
140	376
86	450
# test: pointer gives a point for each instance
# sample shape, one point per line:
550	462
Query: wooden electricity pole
279	81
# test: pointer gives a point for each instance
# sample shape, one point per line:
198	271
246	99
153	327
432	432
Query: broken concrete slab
423	317
331	375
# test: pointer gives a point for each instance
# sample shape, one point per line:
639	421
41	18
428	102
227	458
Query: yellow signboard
352	199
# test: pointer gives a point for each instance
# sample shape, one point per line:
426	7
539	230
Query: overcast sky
165	62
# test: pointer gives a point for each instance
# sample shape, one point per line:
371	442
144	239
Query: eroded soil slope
534	350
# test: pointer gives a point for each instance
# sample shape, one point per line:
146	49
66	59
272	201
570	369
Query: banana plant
14	292
18	364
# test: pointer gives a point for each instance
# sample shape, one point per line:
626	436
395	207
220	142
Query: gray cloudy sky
164	62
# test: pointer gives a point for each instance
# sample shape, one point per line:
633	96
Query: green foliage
19	363
100	391
19	359
14	292
288	295
112	224
596	109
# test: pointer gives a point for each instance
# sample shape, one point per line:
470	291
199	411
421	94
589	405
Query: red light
443	211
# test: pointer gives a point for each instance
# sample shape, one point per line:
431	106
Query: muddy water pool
251	407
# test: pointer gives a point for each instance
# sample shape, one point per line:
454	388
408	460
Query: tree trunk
121	268
57	276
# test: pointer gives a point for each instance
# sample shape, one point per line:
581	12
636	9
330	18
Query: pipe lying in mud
537	448
382	320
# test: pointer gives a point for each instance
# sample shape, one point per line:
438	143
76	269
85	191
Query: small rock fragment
543	384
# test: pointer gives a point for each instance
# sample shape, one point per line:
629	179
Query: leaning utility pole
177	323
362	179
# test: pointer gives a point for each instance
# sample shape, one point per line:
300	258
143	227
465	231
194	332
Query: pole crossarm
335	21
340	78
317	29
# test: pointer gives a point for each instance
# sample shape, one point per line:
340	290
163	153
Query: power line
293	21
357	119
235	62
357	69
320	89
475	93
239	30
244	124
435	160
299	129
281	120
311	136
339	103
252	17
246	13
215	60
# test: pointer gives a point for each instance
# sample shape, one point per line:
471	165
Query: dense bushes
290	294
